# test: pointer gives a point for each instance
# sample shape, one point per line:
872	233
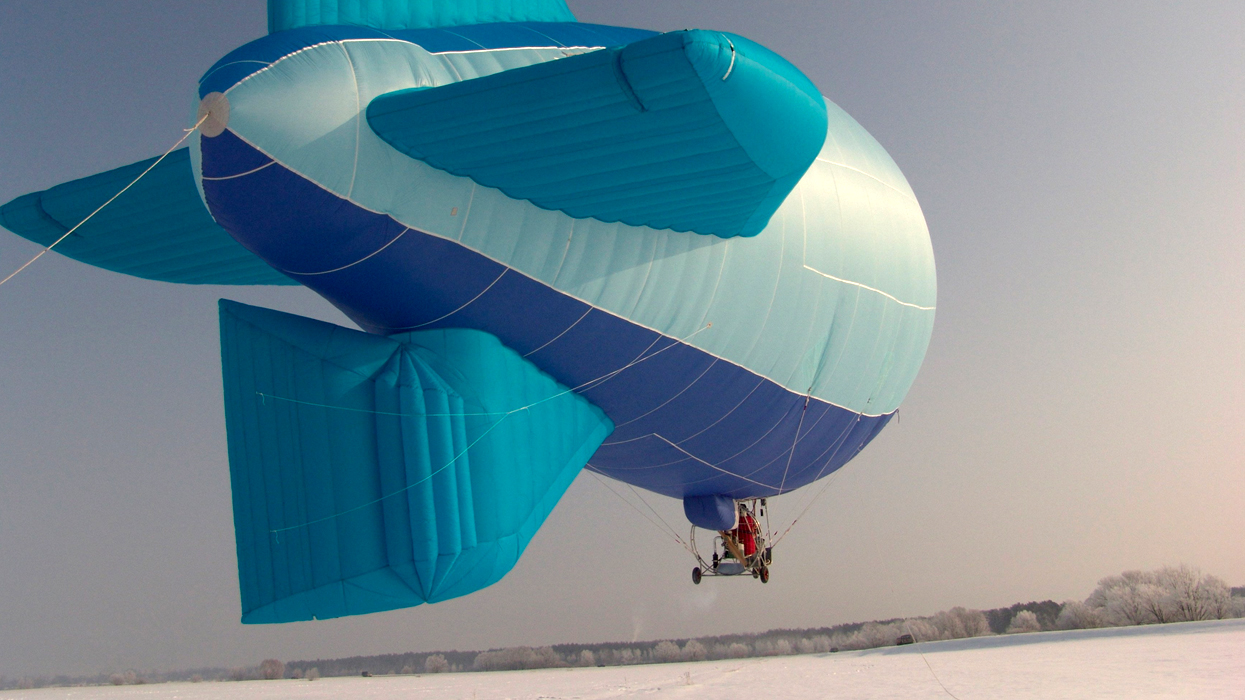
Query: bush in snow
695	651
313	674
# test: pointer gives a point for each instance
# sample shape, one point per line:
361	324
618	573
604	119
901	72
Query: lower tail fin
373	473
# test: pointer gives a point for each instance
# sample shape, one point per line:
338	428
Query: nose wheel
696	575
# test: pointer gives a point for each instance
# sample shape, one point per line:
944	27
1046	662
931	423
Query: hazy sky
1082	169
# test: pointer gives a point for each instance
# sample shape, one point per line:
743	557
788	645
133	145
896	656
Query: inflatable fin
371	473
691	130
411	14
158	230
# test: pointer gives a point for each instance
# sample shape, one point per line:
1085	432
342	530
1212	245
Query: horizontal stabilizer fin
159	229
411	14
692	131
373	473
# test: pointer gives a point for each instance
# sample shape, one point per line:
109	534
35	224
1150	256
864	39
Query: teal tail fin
158	229
411	14
373	473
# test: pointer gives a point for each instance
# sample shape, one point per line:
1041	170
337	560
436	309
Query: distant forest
1170	594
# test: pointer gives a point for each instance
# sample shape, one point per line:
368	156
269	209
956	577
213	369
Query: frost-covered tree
694	651
436	663
1024	621
587	658
960	623
1076	615
666	652
774	647
1195	596
1131	598
272	669
921	629
1169	594
517	658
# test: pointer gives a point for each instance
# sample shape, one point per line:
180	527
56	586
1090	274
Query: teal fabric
690	131
411	14
377	473
159	229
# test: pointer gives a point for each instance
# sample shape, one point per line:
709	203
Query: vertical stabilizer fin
373	473
411	14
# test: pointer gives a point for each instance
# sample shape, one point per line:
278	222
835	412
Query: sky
1081	167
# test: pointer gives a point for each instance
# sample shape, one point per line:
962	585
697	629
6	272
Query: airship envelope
665	258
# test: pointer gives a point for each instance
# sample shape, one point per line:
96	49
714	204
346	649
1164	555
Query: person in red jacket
745	532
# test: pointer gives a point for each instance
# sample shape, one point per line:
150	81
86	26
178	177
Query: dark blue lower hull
687	423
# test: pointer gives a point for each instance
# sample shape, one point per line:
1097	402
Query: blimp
664	258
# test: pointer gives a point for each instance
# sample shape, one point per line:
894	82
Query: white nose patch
215	107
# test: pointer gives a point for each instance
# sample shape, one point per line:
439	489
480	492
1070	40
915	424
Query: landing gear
764	574
696	575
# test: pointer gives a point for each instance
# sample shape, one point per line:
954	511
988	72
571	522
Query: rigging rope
654	512
665	531
68	233
829	481
795	441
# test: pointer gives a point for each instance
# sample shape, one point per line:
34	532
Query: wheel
696	575
764	574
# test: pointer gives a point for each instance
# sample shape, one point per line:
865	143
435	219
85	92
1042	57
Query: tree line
1169	594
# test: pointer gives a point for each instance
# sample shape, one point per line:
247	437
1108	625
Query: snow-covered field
1189	660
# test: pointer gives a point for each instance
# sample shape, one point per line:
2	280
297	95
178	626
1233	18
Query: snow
1189	660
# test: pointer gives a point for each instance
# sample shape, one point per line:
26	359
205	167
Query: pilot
746	532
